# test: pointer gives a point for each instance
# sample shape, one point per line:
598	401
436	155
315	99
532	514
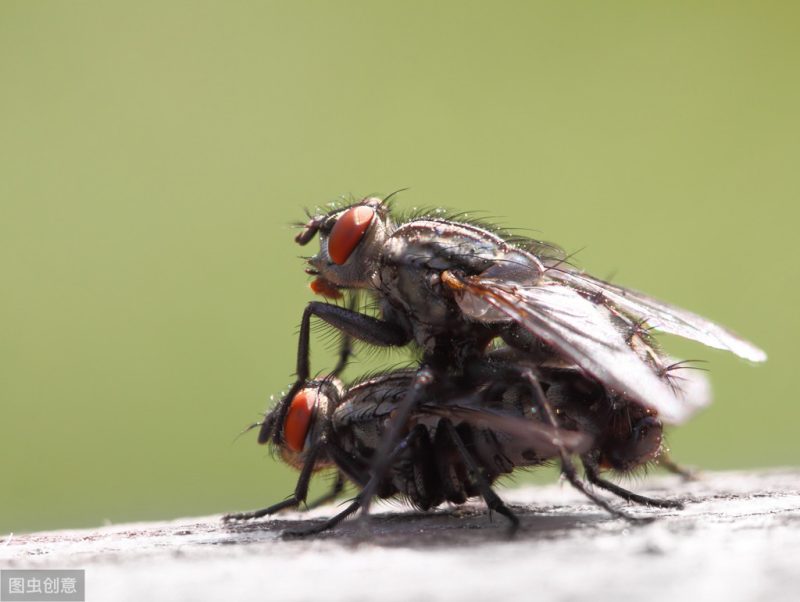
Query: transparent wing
664	317
580	330
542	438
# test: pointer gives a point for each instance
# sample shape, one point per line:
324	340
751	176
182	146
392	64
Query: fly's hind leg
571	474
567	466
593	476
668	464
345	351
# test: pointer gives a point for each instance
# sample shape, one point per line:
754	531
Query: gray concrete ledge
738	538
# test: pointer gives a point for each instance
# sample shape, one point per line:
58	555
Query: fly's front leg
352	324
346	347
489	495
328	438
297	498
345	351
358	501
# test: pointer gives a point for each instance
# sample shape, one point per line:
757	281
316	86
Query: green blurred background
152	157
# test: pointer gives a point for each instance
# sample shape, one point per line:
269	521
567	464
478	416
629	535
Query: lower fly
464	436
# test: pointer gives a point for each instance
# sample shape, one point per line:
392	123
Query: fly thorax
415	256
442	245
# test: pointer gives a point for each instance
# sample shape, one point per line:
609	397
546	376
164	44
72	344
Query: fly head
633	439
350	244
307	418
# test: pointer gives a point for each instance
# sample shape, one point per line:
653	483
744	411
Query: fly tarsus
318	528
290	502
595	479
297	498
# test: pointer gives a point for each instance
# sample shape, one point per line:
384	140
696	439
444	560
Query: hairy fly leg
345	351
358	501
333	493
305	442
352	324
668	464
297	498
541	402
592	474
352	507
567	466
398	423
493	501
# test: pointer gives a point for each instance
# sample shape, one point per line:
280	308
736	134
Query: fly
464	436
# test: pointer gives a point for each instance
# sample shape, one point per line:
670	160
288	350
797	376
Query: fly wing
663	316
580	330
546	440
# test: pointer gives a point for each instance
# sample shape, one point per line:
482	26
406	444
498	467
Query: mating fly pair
457	289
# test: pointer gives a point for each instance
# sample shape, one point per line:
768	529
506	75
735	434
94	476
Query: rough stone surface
738	538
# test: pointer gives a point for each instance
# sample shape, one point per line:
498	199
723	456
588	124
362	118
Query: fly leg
666	462
567	466
384	455
352	324
568	469
328	524
358	501
346	346
328	439
338	487
592	474
493	501
297	498
345	351
571	474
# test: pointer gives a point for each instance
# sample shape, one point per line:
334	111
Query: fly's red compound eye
298	419
348	232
